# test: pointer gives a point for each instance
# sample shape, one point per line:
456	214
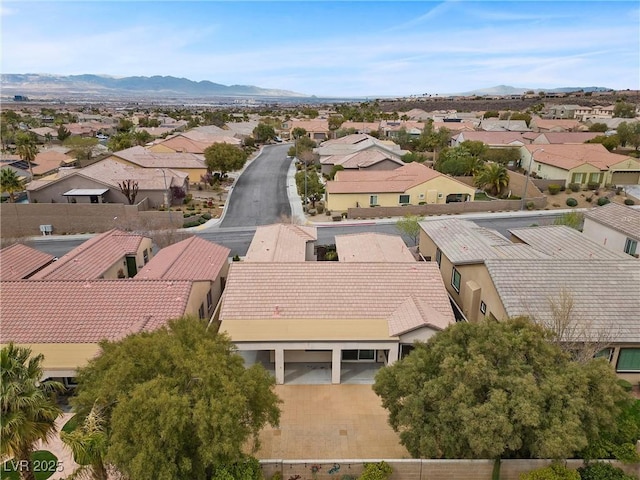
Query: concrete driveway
330	422
259	196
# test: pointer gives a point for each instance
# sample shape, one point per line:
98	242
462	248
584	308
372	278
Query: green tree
120	141
63	133
493	175
335	122
125	126
555	471
223	158
29	410
501	155
497	390
142	137
298	132
81	147
335	169
88	443
410	225
458	161
314	187
475	148
10	183
603	471
178	402
27	149
629	134
598	127
491	114
610	142
624	110
263	133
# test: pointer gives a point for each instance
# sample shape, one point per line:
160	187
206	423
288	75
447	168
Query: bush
553	188
530	205
552	472
188	198
206	216
593	185
603	201
377	471
574	187
602	471
572	202
236	258
320	208
628	201
625	384
589	198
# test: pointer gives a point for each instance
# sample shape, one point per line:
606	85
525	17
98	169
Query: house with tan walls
489	276
614	226
317	129
580	163
411	184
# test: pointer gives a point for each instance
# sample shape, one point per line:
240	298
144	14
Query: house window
404	199
209	299
455	280
438	256
578	178
607	354
201	311
595	177
629	360
373	200
630	246
355	355
145	256
539	167
406	349
483	307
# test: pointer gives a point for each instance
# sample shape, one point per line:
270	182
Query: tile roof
362	159
380	181
495	138
624	219
18	261
146	158
414	313
372	247
190	259
330	290
569	137
550	123
462	242
360	126
604	292
311	126
568	156
560	241
280	243
93	257
74	311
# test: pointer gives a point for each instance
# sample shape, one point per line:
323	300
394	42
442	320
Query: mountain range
165	86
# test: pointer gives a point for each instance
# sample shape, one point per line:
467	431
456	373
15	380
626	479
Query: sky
332	49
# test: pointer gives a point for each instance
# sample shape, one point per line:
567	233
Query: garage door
625	178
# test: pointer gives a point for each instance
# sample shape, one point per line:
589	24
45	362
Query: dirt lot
559	201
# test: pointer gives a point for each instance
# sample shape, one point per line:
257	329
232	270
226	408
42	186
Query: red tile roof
87	311
190	259
568	156
91	259
19	261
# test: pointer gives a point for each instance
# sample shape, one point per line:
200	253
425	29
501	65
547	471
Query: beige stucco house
614	226
411	184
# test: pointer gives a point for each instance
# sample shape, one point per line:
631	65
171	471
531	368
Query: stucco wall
607	237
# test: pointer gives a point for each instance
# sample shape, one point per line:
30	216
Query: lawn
44	464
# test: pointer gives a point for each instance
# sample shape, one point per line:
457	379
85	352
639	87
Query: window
607	353
201	311
629	360
355	355
438	256
595	177
578	178
373	200
455	280
539	167
483	307
209	299
405	349
145	255
630	246
404	199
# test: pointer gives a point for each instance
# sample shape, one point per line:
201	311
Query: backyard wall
413	469
24	219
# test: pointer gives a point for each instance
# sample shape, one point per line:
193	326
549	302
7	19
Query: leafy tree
142	137
10	183
431	140
335	122
263	133
314	187
555	471
414	157
458	161
298	132
120	141
475	148
491	114
343	132
125	126
178	402
493	175
81	147
410	225
570	219
223	158
27	149
610	142
335	169
624	110
404	139
501	155
497	390
88	443
301	145
603	471
29	410
629	134
598	127
63	133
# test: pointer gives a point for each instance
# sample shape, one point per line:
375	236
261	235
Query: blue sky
361	48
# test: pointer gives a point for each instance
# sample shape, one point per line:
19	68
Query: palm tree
29	411
27	149
493	175
10	182
89	446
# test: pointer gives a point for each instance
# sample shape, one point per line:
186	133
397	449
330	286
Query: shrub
201	221
188	198
277	476
320	208
593	185
206	216
572	202
562	188
555	471
589	198
603	201
628	201
553	188
625	384
602	471
574	187
377	471
191	207
530	205
236	258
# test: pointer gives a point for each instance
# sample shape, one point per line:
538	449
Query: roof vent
276	312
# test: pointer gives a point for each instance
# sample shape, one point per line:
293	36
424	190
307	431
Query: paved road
259	196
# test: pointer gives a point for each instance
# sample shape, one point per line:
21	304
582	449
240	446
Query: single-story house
317	129
538	124
580	163
99	183
614	226
335	312
191	164
411	184
19	262
492	139
282	243
372	247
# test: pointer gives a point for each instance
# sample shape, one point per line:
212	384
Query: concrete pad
330	422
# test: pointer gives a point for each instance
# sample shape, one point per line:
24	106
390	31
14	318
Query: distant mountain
508	90
102	84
